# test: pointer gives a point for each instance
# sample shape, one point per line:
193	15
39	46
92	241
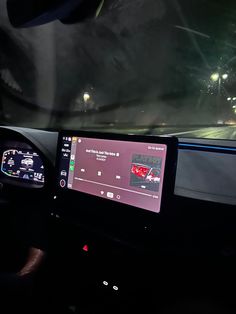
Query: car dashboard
111	200
200	186
203	181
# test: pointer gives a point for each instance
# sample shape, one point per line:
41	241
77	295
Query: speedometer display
23	164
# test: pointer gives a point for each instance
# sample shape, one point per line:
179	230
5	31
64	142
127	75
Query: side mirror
28	13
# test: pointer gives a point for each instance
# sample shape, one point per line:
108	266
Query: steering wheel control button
62	183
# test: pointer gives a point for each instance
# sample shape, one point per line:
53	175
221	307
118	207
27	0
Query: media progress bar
116	187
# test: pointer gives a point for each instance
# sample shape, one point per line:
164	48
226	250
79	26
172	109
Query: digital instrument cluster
22	164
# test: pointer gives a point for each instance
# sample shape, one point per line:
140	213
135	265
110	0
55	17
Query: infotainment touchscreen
128	172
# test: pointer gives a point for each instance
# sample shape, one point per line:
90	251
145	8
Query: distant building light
234	107
229	98
225	76
234	98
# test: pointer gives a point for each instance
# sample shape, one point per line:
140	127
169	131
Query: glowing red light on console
85	248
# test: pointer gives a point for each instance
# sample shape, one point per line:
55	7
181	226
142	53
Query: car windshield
141	66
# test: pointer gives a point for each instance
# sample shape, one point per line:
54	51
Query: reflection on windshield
143	66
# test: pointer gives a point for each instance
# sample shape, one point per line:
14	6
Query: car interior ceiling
116	222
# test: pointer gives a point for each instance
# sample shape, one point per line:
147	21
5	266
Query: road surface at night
221	132
226	132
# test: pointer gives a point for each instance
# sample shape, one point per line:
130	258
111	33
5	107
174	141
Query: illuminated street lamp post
86	97
225	76
217	77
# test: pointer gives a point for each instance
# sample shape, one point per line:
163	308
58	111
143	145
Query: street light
86	97
215	77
